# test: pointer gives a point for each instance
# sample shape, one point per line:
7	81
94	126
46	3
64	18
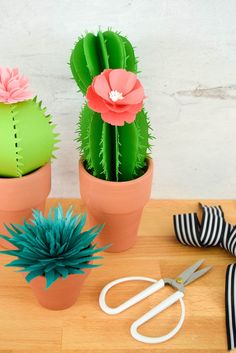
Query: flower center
115	96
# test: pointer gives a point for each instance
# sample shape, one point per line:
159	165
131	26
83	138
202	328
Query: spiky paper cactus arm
27	138
109	152
92	54
54	246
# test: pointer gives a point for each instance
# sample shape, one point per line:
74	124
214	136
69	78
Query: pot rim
38	279
58	279
24	177
117	183
86	271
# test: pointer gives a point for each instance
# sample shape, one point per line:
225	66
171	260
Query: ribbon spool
213	231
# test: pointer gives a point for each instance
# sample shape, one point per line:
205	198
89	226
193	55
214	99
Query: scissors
186	277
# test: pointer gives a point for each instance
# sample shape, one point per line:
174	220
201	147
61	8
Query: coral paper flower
13	86
117	94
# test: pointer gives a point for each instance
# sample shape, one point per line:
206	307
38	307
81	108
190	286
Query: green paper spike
54	246
27	138
115	153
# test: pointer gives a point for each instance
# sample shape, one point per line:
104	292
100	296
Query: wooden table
84	328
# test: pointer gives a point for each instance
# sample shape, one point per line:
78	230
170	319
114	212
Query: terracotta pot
18	196
118	205
62	294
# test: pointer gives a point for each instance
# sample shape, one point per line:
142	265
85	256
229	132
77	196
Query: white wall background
187	55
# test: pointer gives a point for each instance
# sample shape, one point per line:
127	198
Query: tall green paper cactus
27	140
114	153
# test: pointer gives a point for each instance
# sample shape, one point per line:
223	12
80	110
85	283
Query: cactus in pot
110	152
55	253
114	131
27	144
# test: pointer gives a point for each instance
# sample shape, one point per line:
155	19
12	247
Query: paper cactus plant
27	138
113	129
54	246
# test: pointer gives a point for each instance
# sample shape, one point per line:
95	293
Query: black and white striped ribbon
230	305
213	231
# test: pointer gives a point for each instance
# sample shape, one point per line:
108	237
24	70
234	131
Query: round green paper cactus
27	140
114	153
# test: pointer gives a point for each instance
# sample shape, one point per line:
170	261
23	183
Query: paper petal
122	81
101	86
95	102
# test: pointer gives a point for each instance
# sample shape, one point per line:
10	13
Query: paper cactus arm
80	71
90	124
27	140
131	60
92	54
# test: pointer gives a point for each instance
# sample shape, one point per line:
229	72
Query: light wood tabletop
84	328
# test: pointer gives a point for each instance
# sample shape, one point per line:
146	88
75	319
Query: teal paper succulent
54	246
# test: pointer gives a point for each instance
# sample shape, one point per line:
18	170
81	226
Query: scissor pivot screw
180	280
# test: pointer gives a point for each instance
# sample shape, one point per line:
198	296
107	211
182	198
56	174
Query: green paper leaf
142	126
106	151
51	277
104	53
128	138
79	66
94	144
33	275
131	61
115	48
90	44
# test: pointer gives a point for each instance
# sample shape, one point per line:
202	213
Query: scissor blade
190	270
197	274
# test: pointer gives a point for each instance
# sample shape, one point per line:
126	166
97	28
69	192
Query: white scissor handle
155	311
132	301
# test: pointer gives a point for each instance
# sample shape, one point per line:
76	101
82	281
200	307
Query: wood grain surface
84	328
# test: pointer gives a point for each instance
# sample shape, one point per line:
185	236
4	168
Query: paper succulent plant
27	138
113	129
54	246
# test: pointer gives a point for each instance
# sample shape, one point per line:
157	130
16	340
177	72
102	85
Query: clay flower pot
18	196
56	255
118	205
62	294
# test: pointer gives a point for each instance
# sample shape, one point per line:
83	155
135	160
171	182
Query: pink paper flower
13	86
117	94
